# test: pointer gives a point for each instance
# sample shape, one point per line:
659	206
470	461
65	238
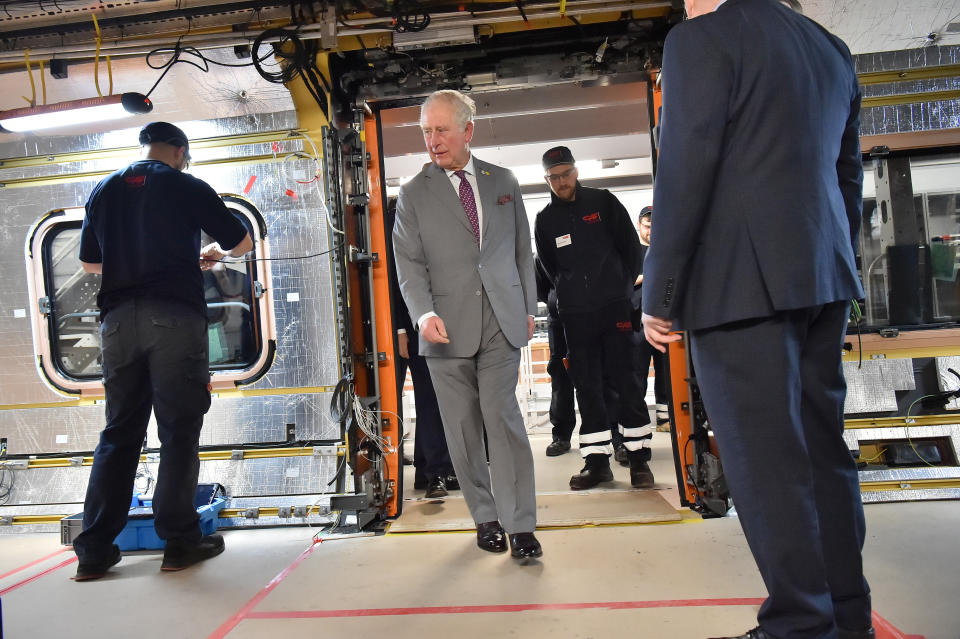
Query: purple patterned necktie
469	204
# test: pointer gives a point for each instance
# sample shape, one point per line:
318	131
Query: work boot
558	447
640	474
596	469
90	570
180	554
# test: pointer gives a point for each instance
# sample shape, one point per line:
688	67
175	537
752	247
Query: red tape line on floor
37	576
244	612
459	610
884	629
33	563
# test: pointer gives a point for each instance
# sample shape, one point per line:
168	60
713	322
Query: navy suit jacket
758	189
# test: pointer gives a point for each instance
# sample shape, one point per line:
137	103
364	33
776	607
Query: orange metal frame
383	322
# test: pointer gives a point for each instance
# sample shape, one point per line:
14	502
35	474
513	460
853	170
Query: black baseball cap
164	132
556	156
646	211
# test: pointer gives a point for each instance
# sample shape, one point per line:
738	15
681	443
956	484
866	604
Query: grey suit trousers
477	393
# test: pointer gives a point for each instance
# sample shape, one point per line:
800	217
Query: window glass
231	291
909	259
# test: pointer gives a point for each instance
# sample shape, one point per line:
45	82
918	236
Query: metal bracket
361	199
258	290
76	461
889	332
6	520
252	513
880	151
300	511
236	455
44	304
358	256
284	512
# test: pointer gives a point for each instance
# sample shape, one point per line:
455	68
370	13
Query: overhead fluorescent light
74	112
434	37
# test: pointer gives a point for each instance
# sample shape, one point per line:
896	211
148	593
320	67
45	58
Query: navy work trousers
154	357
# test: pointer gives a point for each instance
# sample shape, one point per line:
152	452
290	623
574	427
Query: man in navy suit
758	196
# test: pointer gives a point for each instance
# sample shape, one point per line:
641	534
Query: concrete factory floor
688	579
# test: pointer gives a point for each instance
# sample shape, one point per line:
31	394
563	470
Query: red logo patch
624	326
593	218
136	181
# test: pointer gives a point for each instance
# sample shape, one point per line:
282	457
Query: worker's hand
434	331
403	345
657	331
639	280
530	324
210	255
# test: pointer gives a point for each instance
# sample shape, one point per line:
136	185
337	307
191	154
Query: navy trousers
154	357
430	455
774	390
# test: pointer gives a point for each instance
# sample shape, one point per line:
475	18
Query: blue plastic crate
139	533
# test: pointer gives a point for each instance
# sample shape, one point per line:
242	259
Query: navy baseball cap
163	132
646	211
556	156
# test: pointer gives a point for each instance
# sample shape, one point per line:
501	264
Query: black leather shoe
558	447
620	454
180	554
756	633
436	489
490	537
90	570
590	476
843	633
452	482
640	475
524	546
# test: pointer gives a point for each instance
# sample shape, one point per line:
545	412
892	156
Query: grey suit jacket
440	268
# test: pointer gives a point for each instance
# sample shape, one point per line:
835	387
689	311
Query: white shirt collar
719	5
468	167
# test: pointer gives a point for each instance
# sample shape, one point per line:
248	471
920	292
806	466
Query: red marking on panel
246	189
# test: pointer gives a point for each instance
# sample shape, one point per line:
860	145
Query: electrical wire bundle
299	59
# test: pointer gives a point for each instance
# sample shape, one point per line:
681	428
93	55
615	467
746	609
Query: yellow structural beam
126	151
906	75
206	455
908	484
901	422
91	400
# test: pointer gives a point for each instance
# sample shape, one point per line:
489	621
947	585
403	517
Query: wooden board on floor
560	509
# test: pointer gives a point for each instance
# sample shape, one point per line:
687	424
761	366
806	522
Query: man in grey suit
465	267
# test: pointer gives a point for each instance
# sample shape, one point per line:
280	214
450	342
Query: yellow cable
563	7
96	59
33	87
43	83
110	75
875	457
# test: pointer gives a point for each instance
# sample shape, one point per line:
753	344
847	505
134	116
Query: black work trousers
155	357
563	414
600	351
644	353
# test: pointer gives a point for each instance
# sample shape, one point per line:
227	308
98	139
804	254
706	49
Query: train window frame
46	341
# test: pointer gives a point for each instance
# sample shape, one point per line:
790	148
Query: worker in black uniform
563	412
142	233
591	253
644	351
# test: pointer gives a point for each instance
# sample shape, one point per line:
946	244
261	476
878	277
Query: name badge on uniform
564	240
